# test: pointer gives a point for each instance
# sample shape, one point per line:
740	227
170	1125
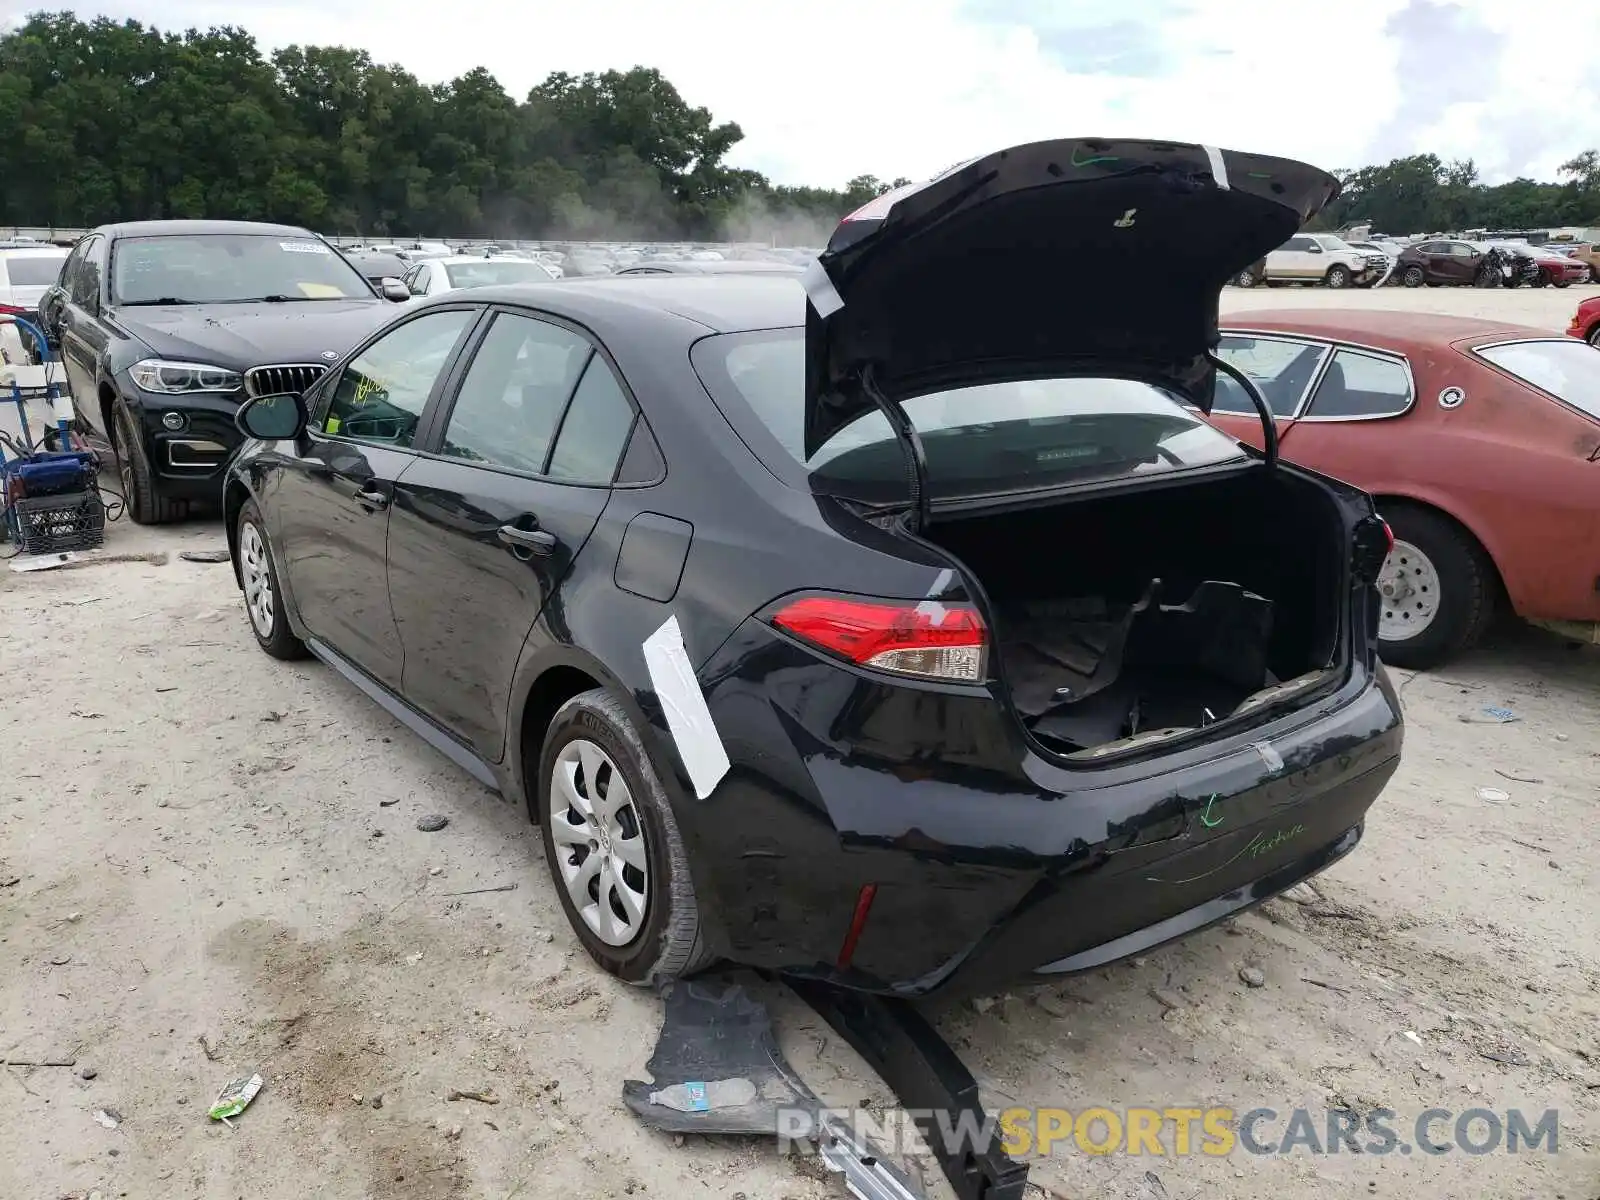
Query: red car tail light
13	310
927	639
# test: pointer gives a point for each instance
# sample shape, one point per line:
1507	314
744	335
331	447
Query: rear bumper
988	863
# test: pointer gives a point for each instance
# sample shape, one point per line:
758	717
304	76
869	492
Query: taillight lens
13	310
928	640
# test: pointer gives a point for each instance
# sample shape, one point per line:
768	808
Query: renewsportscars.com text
1178	1132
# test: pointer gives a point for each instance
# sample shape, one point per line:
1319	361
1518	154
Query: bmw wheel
263	598
612	844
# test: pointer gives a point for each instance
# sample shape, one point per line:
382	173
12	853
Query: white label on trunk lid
820	291
304	247
672	675
1219	169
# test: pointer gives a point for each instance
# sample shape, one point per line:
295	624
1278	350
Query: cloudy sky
829	89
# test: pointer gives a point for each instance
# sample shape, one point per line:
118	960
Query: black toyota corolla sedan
904	625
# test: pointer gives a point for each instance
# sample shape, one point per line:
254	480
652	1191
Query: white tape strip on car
672	676
820	291
1219	169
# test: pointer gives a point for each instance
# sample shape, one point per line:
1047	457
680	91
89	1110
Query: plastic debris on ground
717	1069
234	1099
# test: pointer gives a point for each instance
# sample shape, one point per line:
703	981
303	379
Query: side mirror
273	418
1314	249
394	289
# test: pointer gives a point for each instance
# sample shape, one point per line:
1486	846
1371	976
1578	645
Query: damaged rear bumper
978	861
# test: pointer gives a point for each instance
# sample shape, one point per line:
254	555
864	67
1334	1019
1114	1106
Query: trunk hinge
910	441
1269	426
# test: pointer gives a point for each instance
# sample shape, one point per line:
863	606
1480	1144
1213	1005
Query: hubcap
599	843
1409	587
257	579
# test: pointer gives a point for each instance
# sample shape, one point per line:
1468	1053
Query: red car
1480	442
1558	269
1586	321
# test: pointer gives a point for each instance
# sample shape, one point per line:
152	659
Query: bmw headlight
179	378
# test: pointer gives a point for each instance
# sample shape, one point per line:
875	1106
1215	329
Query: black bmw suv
165	326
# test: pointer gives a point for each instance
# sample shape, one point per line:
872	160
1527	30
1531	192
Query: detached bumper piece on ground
717	1069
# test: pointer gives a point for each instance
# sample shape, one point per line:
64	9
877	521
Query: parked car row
1318	258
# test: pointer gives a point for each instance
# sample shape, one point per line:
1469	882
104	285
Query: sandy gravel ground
209	864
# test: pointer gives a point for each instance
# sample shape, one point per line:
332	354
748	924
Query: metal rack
49	498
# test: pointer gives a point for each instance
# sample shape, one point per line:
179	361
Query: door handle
372	501
536	540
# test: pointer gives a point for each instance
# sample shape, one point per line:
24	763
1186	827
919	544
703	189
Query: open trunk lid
1040	260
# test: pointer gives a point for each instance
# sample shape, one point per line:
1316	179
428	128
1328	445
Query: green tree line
1422	194
104	120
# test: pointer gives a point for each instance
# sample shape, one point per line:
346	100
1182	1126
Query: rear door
1284	368
517	470
334	496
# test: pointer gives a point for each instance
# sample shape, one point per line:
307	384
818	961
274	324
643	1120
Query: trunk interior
1144	615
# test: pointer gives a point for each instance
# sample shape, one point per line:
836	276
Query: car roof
1378	327
192	228
716	266
41	250
478	258
722	303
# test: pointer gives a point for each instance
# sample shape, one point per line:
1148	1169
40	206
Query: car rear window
985	440
1566	368
31	270
489	273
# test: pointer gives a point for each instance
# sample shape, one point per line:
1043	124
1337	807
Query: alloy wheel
599	841
258	597
1409	588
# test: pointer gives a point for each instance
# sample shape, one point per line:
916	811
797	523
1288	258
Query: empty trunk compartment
1144	615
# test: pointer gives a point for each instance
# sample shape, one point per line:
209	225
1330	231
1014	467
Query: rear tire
1452	561
145	505
666	943
1413	277
1244	279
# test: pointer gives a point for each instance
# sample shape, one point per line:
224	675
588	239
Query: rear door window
514	392
987	440
1280	367
594	430
1359	386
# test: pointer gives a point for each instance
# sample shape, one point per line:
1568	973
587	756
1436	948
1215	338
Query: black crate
52	524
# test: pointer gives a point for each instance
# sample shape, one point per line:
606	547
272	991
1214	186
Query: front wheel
1245	279
145	504
1594	337
1436	590
1562	282
1337	276
263	597
612	844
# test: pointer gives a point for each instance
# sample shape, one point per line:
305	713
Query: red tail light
929	640
13	310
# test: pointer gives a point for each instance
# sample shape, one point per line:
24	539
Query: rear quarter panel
1508	463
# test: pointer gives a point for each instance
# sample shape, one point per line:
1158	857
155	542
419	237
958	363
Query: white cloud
830	89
